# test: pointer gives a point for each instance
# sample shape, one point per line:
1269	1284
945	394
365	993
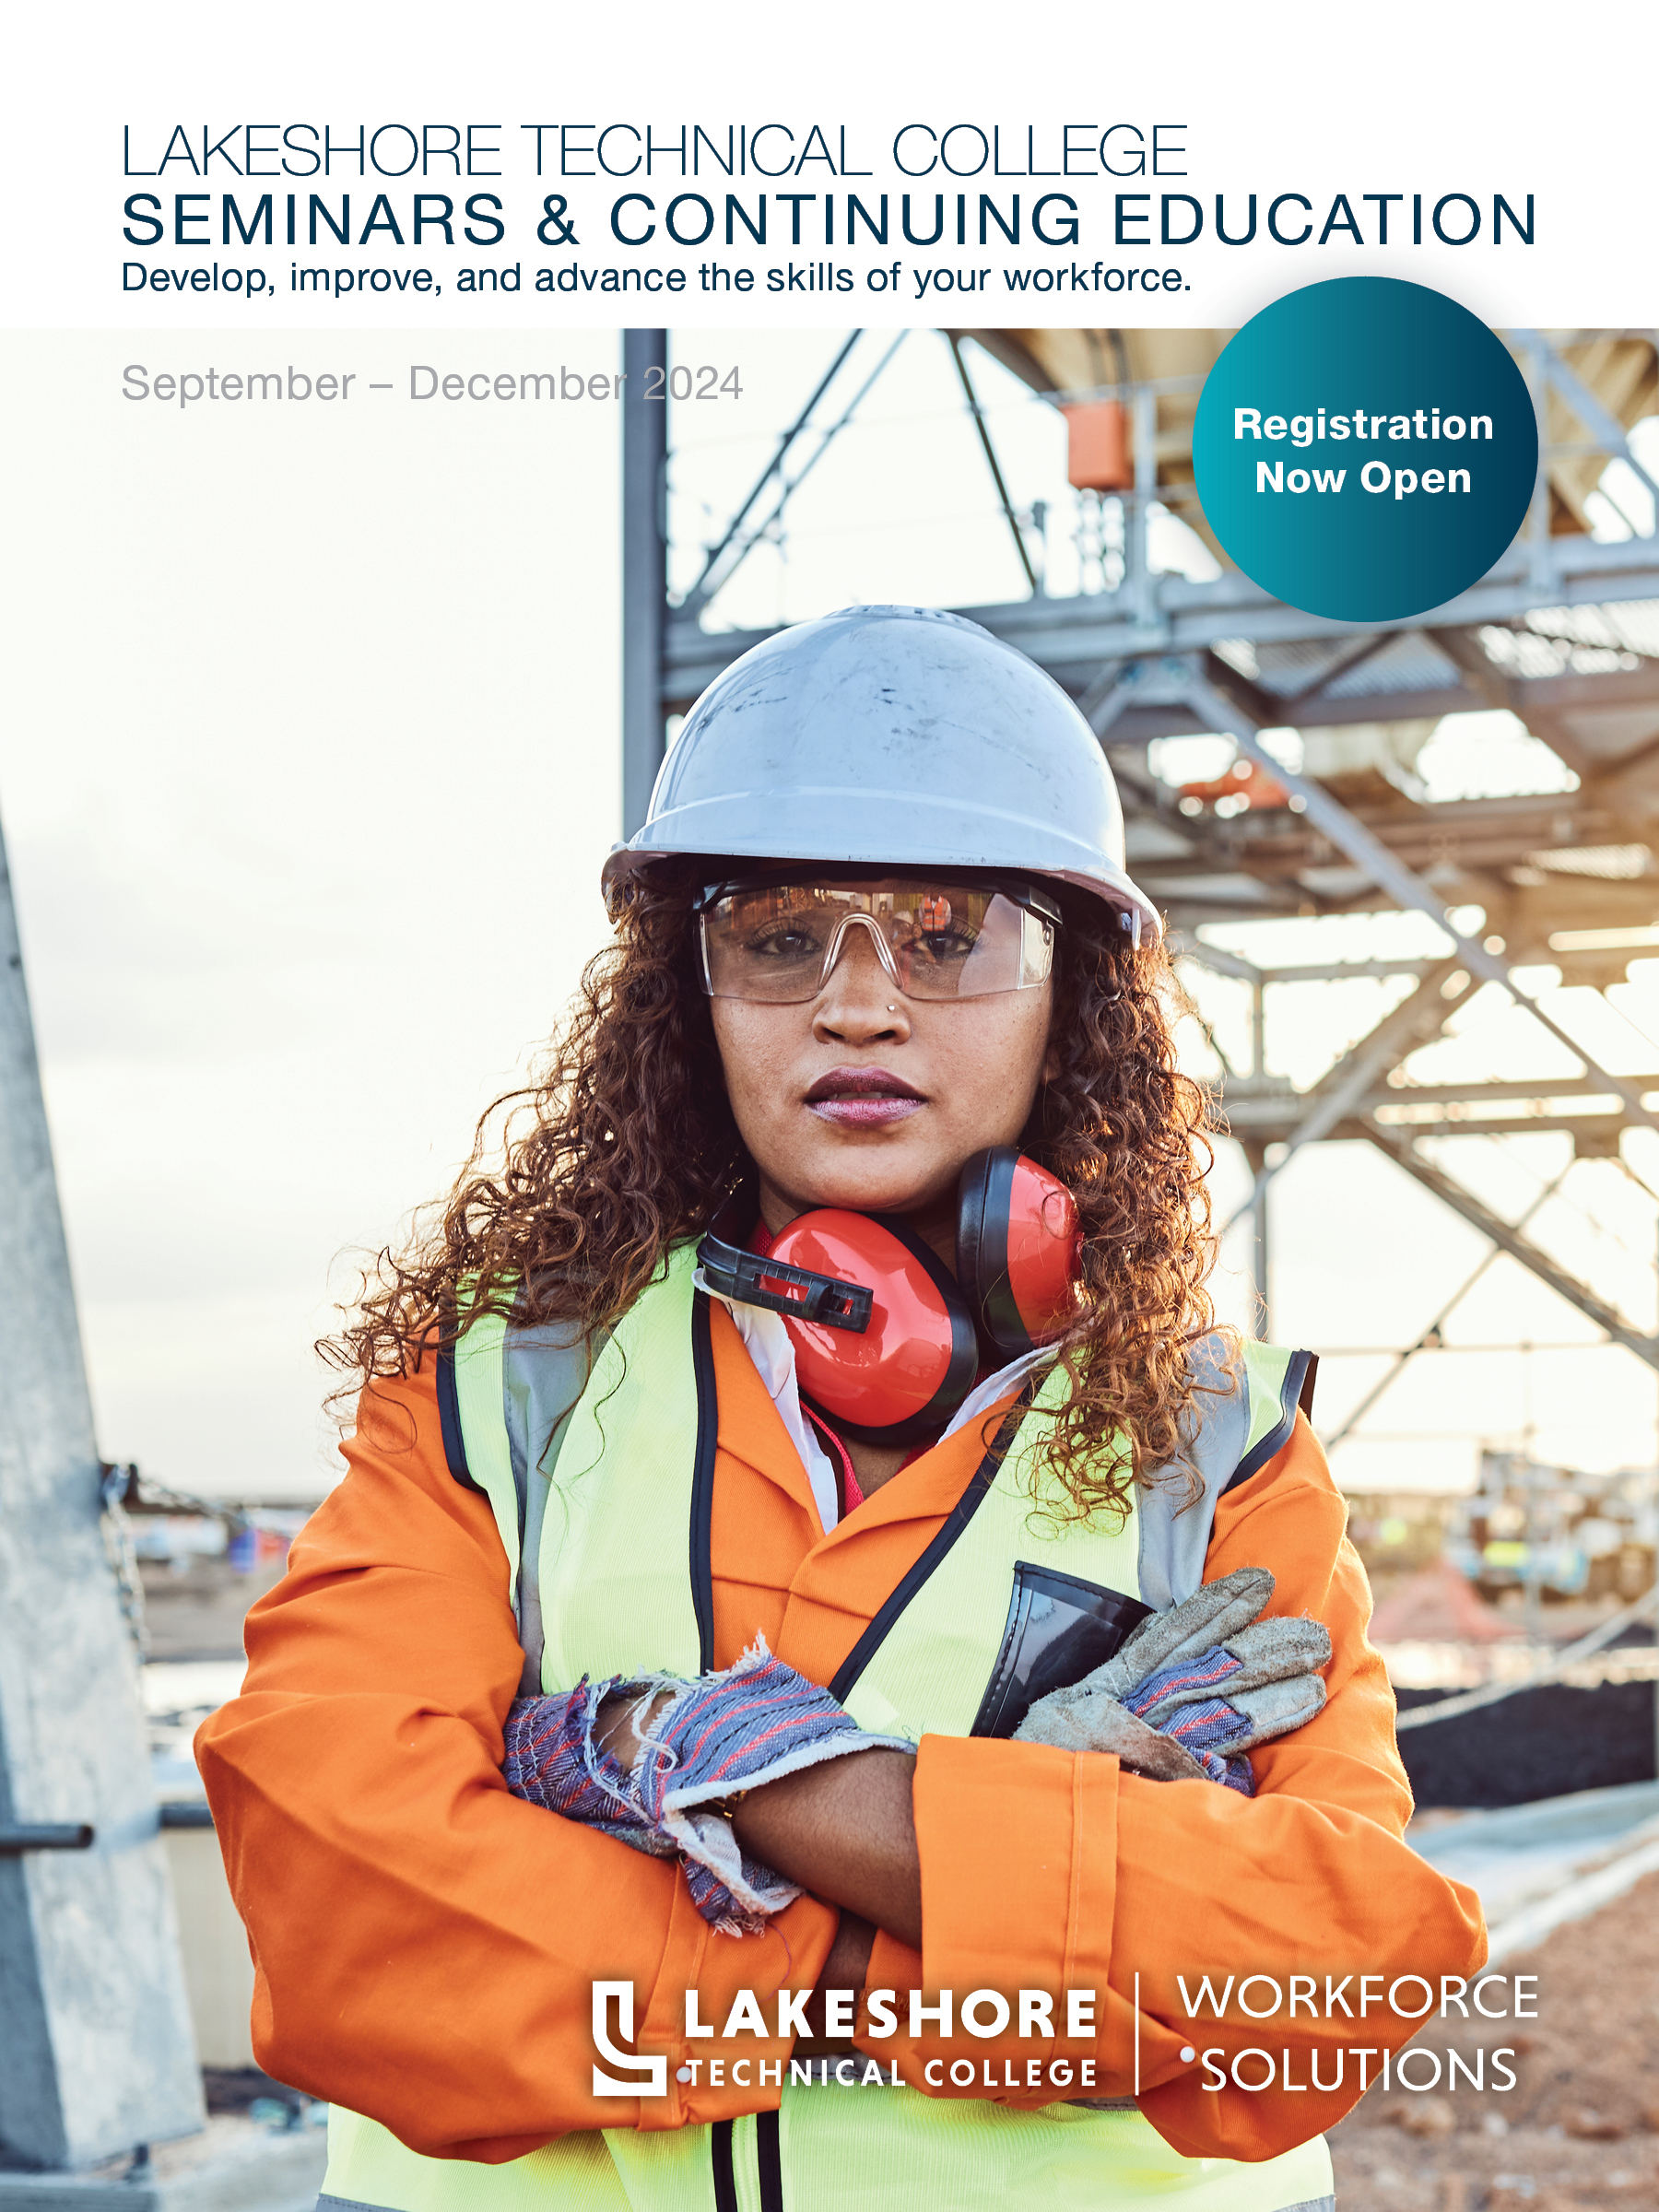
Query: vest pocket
1059	1629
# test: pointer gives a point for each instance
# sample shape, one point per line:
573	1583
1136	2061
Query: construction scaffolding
1563	633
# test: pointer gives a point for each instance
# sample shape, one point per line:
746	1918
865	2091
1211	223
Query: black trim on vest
1305	1397
720	2155
702	1490
769	2152
1296	1394
449	1423
955	1521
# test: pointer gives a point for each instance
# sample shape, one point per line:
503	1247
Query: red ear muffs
1020	1250
884	1339
905	1373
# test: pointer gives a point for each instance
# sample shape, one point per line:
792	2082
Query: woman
877	927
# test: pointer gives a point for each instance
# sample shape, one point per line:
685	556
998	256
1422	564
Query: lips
863	1098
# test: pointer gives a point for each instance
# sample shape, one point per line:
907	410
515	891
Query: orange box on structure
1097	457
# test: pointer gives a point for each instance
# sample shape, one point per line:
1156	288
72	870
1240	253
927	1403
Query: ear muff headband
983	1197
796	1292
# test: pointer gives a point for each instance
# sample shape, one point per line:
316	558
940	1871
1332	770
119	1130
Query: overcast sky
309	766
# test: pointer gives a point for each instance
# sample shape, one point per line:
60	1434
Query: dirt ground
1581	2127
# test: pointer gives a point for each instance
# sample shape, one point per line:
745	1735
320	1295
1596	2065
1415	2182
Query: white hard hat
892	734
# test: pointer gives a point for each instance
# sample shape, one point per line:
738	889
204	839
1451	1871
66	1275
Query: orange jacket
425	1944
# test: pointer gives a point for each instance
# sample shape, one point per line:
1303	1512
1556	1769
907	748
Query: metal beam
1392	875
1271	1121
1343	971
706	584
1268	1119
1261	1253
1509	1239
1073	638
1480	1094
1214	957
1499	690
1430	1333
1262	1110
95	2052
1583	1128
1596	417
644	568
1537	701
1222	963
737	549
1346	662
978	414
1275	844
1399	1033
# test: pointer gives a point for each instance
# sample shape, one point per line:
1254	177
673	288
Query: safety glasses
776	943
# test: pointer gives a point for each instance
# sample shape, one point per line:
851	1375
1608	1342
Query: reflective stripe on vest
625	1586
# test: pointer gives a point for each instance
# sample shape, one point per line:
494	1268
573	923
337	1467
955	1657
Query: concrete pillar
96	2054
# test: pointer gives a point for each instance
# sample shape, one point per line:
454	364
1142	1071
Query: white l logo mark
644	2077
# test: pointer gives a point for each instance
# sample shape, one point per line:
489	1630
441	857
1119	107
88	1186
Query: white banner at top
418	167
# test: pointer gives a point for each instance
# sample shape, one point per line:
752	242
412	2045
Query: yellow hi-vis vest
618	1590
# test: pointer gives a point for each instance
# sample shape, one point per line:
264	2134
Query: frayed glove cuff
717	1737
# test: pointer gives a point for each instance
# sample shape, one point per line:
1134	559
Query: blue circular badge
1365	448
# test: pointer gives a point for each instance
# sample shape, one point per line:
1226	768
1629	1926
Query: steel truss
1563	633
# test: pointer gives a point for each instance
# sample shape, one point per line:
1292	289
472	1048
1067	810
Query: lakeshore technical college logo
638	2077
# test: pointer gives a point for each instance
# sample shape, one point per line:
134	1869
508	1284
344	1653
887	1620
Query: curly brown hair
625	1143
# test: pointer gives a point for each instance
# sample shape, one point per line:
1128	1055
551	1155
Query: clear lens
777	943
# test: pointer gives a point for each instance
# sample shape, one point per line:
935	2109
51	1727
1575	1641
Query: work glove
716	1739
1191	1691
